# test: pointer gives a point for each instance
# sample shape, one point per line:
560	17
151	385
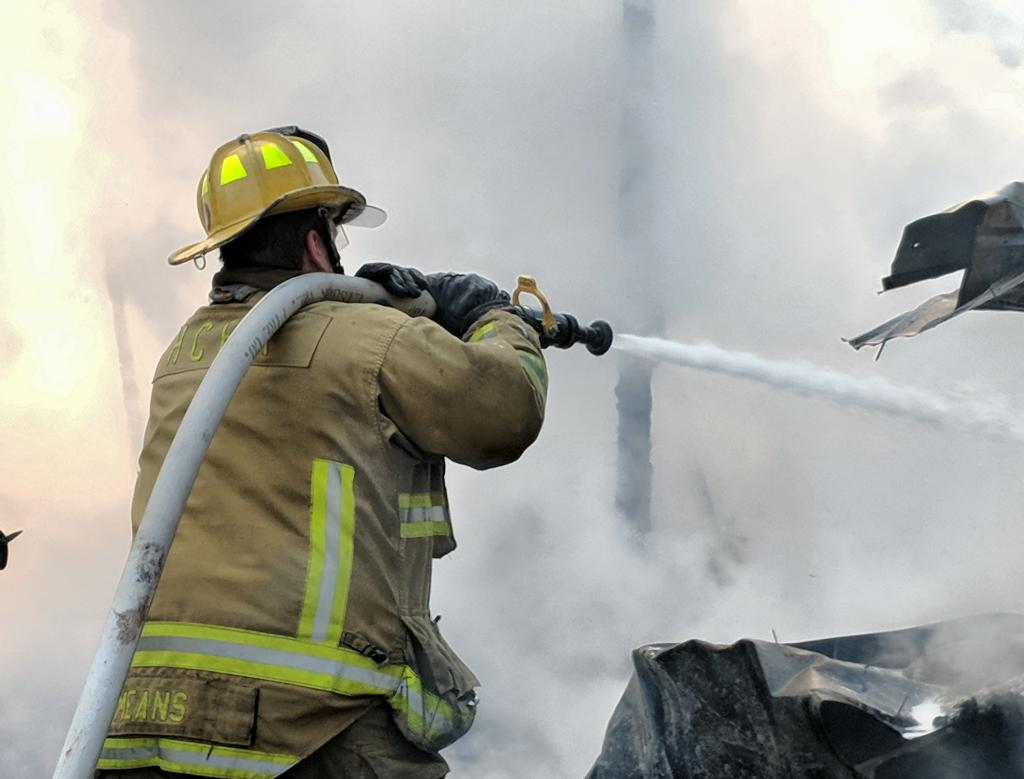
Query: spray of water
989	418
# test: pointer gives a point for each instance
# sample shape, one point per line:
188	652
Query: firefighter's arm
478	401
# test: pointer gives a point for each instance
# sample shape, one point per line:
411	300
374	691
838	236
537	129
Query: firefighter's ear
315	258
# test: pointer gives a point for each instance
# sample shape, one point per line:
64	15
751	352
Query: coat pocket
437	706
436	662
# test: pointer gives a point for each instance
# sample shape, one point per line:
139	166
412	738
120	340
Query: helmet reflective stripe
273	157
305	151
232	169
190	757
204	201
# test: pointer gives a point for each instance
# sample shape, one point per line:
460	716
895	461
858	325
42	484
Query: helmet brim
214	240
349	203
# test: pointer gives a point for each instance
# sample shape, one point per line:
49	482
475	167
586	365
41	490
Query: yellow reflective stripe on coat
482	334
285	660
331	544
423	514
535	369
190	757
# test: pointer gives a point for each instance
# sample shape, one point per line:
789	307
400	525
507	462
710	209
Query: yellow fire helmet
269	173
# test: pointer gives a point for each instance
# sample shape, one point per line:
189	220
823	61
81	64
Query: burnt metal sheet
984	238
849	706
4	541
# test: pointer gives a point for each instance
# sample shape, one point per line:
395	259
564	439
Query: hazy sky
793	138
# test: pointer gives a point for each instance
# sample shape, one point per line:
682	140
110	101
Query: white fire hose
170	492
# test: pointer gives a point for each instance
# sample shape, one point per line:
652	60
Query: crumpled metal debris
943	700
984	237
4	541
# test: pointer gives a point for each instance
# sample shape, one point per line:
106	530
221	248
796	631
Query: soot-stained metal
933	702
4	541
984	237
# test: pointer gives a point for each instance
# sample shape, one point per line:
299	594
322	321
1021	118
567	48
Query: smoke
560	623
791	142
988	417
633	403
998	21
135	421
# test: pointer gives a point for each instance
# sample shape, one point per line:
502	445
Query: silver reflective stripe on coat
424	514
332	534
335	668
189	757
290	661
331	547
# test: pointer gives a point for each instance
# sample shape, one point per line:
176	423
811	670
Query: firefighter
291	632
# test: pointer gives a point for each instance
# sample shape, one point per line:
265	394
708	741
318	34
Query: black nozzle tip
599	337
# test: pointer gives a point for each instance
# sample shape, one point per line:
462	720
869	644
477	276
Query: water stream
983	417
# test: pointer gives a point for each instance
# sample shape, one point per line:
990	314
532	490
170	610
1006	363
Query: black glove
400	282
462	298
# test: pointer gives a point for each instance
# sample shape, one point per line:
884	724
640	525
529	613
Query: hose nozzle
597	336
559	330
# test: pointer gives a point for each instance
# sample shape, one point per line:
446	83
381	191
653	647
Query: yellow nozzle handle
528	284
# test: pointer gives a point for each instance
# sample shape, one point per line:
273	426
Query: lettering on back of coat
142	705
199	341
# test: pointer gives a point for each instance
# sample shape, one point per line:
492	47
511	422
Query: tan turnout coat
296	592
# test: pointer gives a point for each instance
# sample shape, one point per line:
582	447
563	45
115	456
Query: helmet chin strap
325	234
